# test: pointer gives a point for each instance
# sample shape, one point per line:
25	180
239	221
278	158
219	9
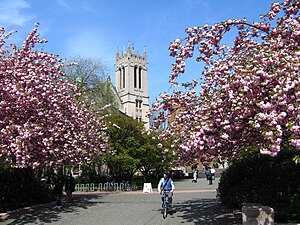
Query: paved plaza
193	204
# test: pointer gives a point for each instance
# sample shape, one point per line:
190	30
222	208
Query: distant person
58	188
166	184
213	172
206	172
195	176
186	175
70	186
208	175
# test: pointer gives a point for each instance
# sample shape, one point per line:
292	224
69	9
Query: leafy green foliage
21	187
125	139
122	167
273	182
89	175
133	148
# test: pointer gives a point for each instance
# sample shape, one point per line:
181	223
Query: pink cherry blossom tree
249	92
41	122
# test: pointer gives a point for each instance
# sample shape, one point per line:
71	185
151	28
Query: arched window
135	77
140	78
123	77
120	80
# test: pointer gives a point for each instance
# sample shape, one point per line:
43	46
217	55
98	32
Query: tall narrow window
123	77
120	80
140	104
135	77
136	103
140	78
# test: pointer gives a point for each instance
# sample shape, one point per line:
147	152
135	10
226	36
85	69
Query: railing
109	186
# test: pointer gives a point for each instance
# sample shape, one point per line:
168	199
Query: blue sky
95	28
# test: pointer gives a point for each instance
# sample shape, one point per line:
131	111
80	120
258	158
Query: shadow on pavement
206	212
43	214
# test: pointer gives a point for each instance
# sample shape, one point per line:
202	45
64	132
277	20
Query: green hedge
89	176
20	187
273	182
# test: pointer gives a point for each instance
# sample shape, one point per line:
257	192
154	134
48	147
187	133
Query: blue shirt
168	183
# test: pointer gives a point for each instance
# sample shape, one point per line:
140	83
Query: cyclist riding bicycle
166	184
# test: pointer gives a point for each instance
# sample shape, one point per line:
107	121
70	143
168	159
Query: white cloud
69	5
64	3
11	12
87	7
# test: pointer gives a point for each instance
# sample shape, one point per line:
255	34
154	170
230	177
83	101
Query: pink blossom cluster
249	92
41	122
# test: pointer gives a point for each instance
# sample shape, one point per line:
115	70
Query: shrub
89	176
20	187
274	182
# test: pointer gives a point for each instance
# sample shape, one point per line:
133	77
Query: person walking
186	175
195	176
208	175
58	188
70	186
213	173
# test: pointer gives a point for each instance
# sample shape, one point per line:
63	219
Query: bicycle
134	187
130	187
166	204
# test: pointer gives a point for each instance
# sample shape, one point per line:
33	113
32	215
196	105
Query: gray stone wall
134	99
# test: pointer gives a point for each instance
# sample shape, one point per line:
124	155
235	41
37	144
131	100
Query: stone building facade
131	76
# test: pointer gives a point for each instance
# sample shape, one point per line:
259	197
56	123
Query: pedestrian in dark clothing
70	186
206	172
209	176
58	188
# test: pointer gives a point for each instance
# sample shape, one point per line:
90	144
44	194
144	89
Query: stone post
255	214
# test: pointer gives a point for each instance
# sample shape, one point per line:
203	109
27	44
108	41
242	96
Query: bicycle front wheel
165	212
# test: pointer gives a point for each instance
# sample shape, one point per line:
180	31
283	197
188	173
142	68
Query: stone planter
256	214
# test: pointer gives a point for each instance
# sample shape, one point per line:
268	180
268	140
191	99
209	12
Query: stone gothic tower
132	84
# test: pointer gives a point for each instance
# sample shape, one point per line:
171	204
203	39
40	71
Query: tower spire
132	48
128	48
131	76
145	52
117	54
